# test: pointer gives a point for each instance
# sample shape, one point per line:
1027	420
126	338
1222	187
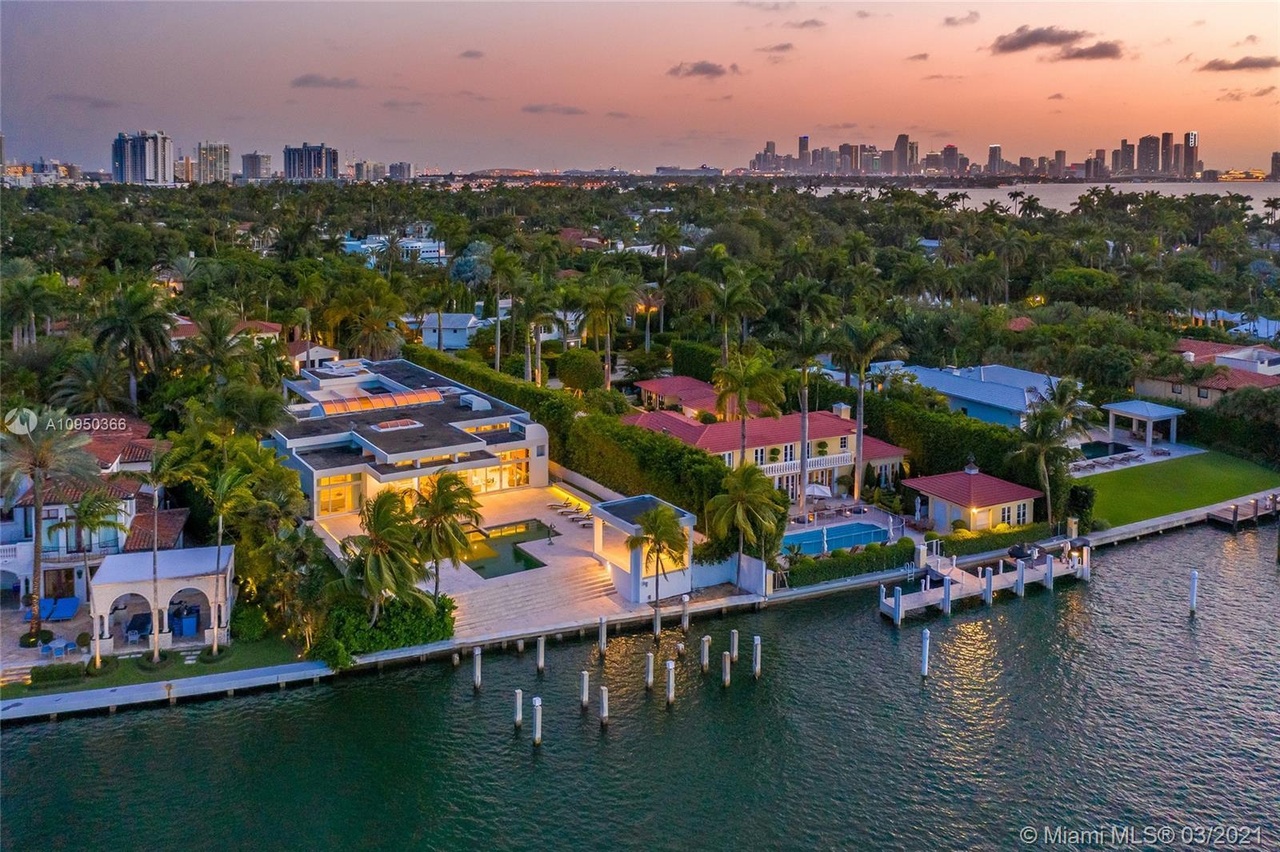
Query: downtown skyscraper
145	157
311	162
213	162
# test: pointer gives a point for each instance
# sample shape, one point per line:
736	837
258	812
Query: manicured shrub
249	623
1080	505
28	640
807	571
400	624
56	673
109	665
84	640
332	653
45	635
581	369
964	543
145	662
224	652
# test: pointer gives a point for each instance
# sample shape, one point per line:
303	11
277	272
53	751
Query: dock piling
648	670
584	692
537	721
946	599
1195	590
679	649
726	668
924	653
1048	571
657	620
604	635
519	708
706	654
604	706
733	645
542	654
519	646
671	682
684	613
897	606
1086	562
1020	583
755	656
475	658
988	590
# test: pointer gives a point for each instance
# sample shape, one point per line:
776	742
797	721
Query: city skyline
461	87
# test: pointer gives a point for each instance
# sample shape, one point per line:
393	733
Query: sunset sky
460	86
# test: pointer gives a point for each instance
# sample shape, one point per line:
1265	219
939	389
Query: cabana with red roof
980	500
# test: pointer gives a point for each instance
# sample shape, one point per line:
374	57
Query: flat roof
1143	410
629	509
170	565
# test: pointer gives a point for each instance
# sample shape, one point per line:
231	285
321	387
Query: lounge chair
586	524
64	610
564	505
46	607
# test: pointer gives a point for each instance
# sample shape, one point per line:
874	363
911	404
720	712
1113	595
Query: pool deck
1138	454
495	622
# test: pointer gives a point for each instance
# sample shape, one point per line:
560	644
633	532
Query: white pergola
1139	411
176	571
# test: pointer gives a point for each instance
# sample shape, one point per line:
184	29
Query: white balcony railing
787	468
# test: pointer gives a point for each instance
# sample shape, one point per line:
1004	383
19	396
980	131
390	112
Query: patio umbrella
816	489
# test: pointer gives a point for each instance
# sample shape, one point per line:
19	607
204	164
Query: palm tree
441	513
93	382
747	505
666	242
135	323
603	303
226	492
48	457
26	298
538	308
733	303
803	346
95	510
663	540
218	348
506	268
859	342
383	561
744	380
1044	442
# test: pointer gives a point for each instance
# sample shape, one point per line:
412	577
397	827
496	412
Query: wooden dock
1245	512
944	583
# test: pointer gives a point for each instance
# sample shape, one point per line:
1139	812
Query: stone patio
1160	451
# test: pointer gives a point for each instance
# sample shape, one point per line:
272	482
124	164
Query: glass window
789	452
1203	393
1022	513
758	455
1175	388
542	451
1006	514
844	442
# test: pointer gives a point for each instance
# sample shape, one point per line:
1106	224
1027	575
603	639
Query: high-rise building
1275	165
1190	153
1060	163
933	163
950	159
213	162
848	158
805	159
1166	153
994	160
400	171
184	170
888	166
900	154
255	166
1177	158
1149	155
1126	157
771	148
913	157
311	162
146	157
1026	165
962	165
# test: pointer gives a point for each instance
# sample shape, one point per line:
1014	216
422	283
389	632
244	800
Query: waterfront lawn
1138	493
246	655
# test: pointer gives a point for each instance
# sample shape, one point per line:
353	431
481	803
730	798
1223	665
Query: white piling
684	613
519	646
1195	590
604	706
924	653
946	597
755	656
604	635
706	654
648	670
726	668
519	708
475	657
988	591
671	682
584	692
1020	584
897	606
1048	572
733	645
537	721
1086	561
457	661
542	654
679	649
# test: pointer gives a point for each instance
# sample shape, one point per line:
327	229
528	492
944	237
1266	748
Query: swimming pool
841	535
1102	449
499	553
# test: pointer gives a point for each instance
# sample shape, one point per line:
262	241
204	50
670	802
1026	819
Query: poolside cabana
614	522
1140	411
195	593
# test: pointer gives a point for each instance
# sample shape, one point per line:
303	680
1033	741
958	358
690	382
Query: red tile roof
676	386
69	493
975	490
1234	379
256	327
1209	349
110	443
1021	324
169	522
726	436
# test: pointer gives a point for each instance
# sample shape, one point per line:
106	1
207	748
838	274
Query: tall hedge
554	409
632	460
694	359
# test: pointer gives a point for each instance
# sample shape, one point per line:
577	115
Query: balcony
786	468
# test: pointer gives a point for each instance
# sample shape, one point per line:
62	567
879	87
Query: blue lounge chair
64	610
46	607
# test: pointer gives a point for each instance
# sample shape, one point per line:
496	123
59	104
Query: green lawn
246	655
1151	490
